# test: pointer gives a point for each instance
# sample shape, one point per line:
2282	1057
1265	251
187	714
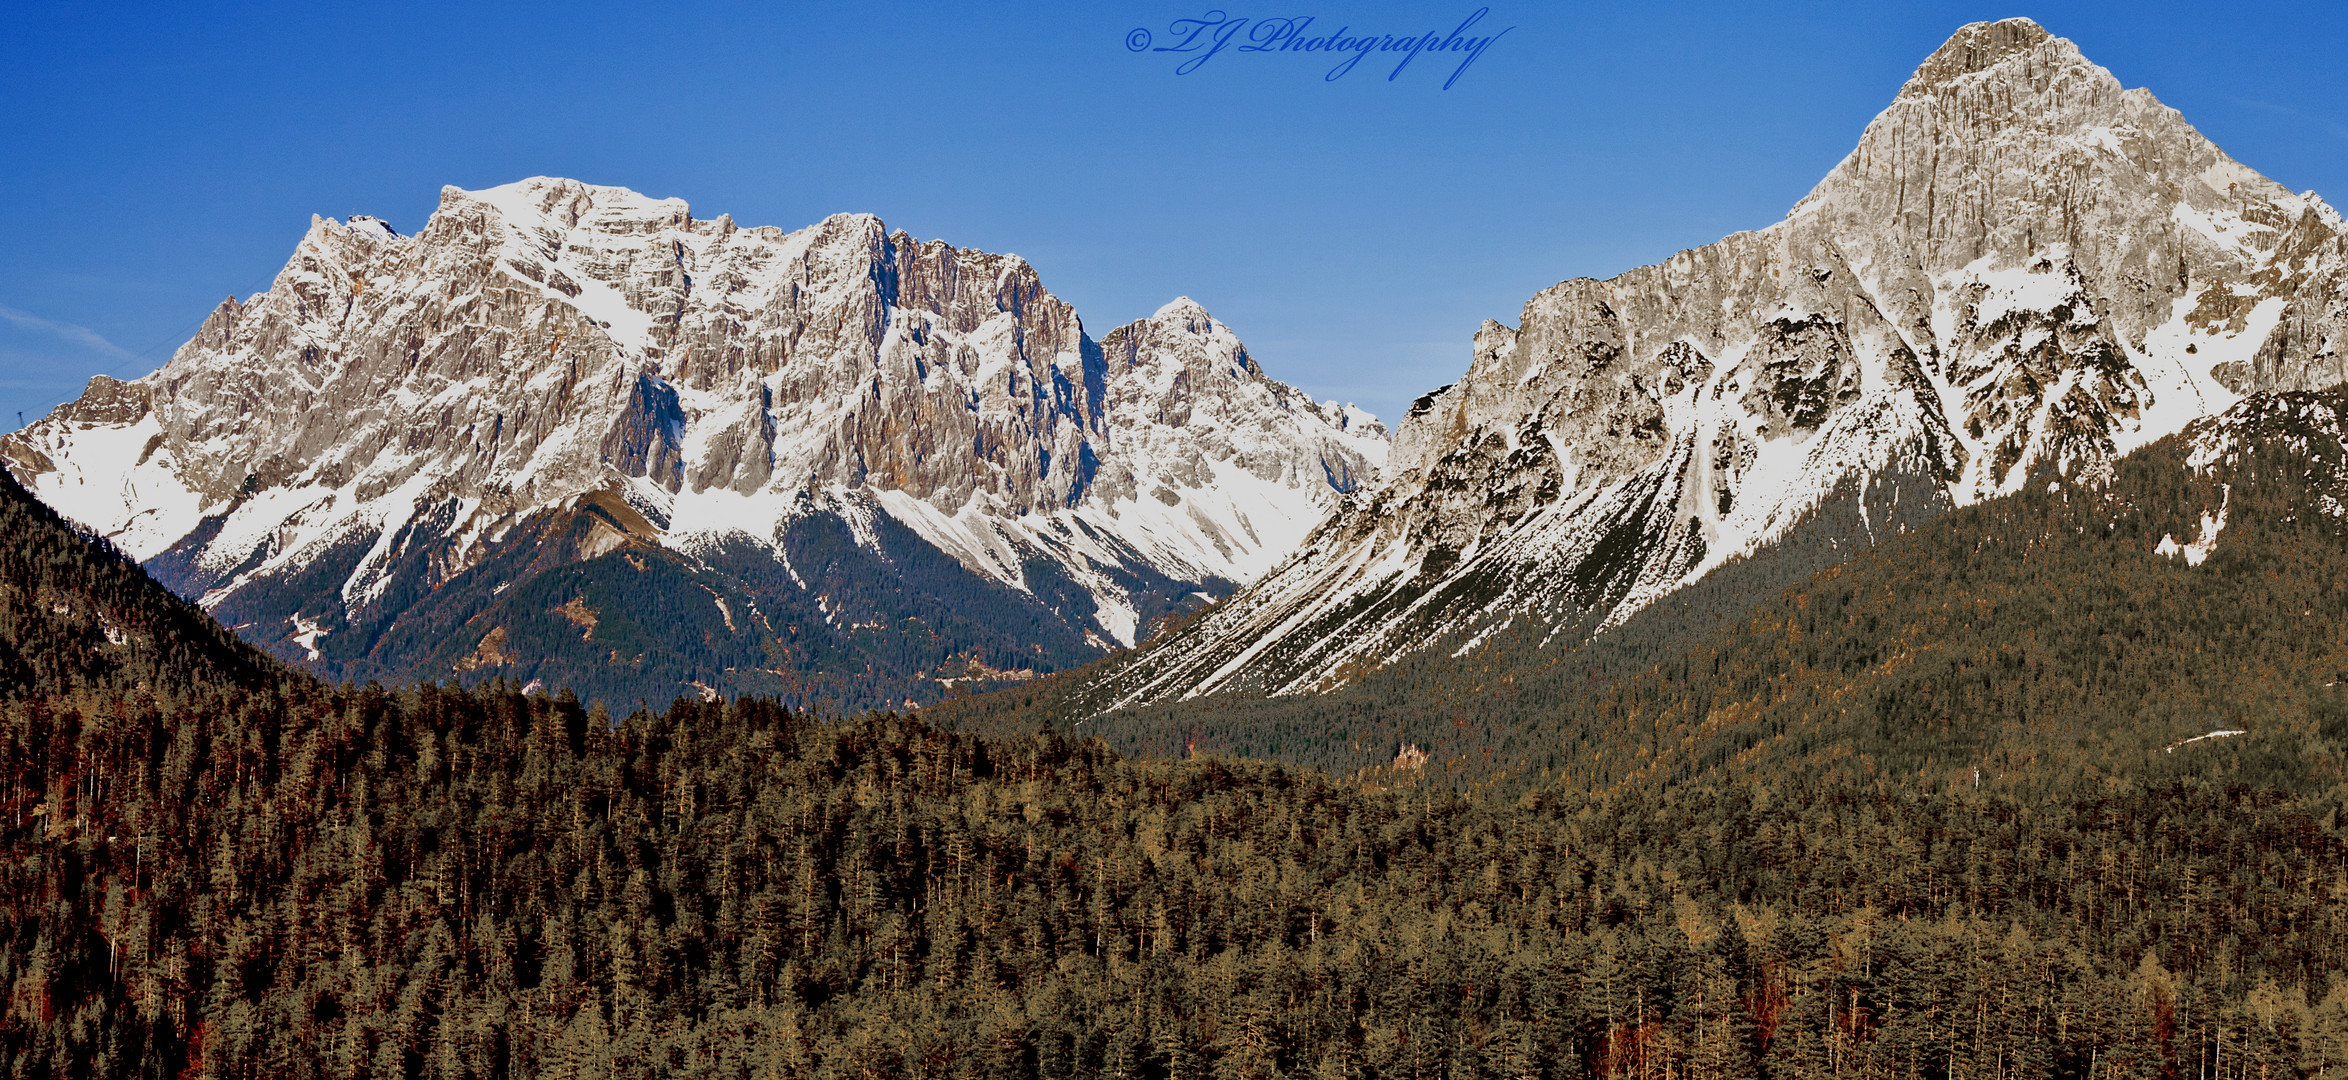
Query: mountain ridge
397	413
2020	272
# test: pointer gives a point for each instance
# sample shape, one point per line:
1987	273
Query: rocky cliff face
367	457
2022	271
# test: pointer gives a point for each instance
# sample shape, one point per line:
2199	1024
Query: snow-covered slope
2021	272
332	453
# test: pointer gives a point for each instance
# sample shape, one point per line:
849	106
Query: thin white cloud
2335	127
79	335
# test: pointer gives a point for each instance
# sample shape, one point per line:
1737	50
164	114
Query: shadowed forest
1764	851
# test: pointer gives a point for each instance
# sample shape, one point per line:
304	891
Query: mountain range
575	436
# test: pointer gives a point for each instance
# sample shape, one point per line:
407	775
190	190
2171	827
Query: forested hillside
213	867
2029	636
76	616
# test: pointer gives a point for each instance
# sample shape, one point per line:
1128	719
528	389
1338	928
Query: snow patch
116	482
2203	544
306	634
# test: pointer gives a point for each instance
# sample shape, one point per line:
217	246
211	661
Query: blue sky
1354	233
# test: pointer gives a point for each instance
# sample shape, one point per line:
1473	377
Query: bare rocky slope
571	434
2022	272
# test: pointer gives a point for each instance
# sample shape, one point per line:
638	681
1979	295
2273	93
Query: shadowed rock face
2022	271
396	407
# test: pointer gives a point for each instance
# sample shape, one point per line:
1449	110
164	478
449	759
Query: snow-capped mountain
832	442
2021	272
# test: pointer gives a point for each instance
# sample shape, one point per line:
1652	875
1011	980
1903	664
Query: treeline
839	626
451	883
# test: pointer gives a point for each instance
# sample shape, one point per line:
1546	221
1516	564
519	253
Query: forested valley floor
332	883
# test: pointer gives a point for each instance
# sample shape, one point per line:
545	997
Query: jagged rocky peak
1979	47
2002	230
548	336
394	407
831	348
2022	269
1183	386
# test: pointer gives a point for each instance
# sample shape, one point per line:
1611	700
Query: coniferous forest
482	884
1916	817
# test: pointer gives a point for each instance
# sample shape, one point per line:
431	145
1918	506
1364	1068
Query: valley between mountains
570	435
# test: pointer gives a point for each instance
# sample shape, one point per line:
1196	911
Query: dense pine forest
476	883
1918	817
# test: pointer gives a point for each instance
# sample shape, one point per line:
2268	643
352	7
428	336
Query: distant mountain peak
1180	307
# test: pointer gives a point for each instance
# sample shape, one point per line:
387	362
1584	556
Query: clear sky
154	159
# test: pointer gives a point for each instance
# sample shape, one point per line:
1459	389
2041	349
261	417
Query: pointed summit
1188	315
1180	305
1182	334
2022	271
1977	47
